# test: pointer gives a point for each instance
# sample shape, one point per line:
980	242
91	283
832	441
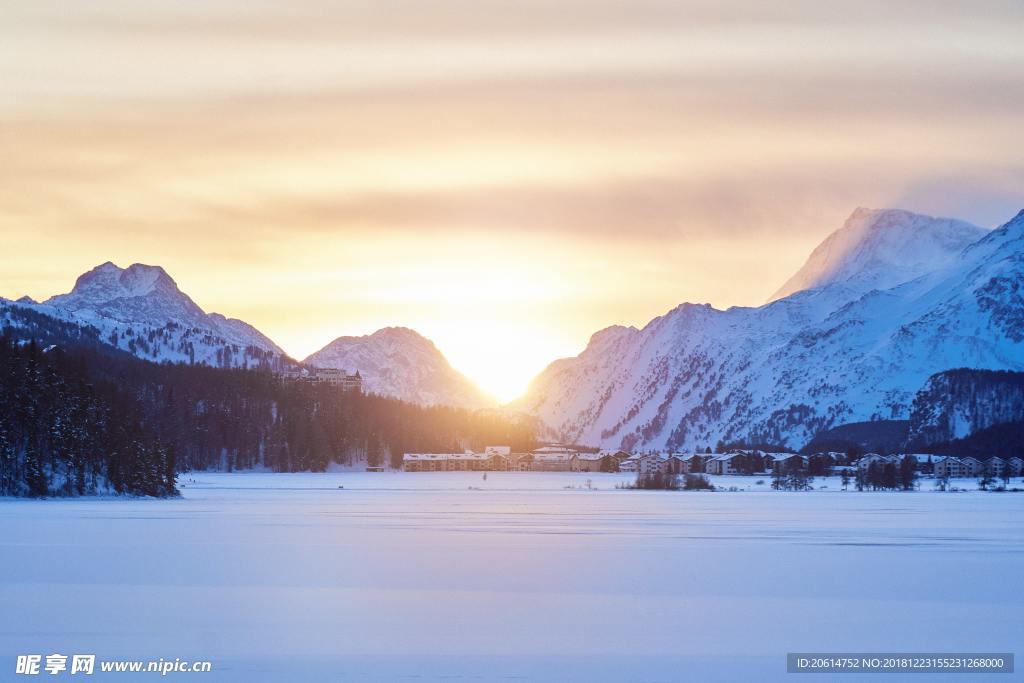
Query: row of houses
736	462
567	459
949	466
972	467
502	459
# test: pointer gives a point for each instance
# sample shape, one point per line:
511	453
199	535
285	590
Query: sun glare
502	361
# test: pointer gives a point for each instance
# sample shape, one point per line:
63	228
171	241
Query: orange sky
504	177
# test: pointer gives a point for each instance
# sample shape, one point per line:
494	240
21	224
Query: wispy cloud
638	150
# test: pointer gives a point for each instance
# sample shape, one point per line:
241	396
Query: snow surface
418	576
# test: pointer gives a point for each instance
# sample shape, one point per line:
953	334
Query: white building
331	376
994	467
972	467
553	459
652	463
875	459
630	464
493	458
958	467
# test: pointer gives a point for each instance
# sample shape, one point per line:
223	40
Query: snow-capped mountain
141	310
856	346
399	362
878	249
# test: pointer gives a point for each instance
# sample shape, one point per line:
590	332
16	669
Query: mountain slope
879	249
956	403
399	362
782	372
141	310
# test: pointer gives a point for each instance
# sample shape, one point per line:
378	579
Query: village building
694	462
630	464
676	464
425	462
652	463
520	462
948	467
493	458
870	459
723	464
972	467
994	467
618	456
552	462
594	462
331	376
553	459
1016	466
784	462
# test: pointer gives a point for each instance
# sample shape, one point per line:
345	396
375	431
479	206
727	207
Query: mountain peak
138	292
843	350
882	248
403	333
139	277
401	362
141	310
110	281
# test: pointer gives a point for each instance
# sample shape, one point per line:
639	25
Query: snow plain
446	576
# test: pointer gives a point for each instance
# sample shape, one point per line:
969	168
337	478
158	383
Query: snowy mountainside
401	363
141	310
957	403
820	357
878	249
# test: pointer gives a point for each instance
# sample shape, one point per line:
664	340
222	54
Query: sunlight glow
504	178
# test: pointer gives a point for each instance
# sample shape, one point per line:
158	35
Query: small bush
657	481
697	482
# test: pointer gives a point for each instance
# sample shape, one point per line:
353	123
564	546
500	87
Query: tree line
78	419
61	434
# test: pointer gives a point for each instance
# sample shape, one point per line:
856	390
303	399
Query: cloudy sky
504	177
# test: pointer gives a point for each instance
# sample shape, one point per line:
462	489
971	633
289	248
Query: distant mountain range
141	310
884	303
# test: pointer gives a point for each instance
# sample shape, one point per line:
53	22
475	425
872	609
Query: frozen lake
418	577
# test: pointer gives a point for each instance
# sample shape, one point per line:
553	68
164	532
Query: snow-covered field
446	576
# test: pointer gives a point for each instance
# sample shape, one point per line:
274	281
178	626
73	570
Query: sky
504	177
